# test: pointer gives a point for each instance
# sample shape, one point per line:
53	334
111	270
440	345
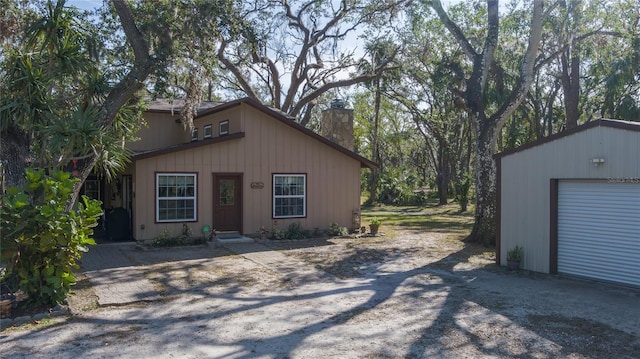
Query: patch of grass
415	235
432	217
41	324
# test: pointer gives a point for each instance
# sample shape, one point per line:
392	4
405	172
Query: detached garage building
572	201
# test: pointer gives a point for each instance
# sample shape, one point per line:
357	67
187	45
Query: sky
85	4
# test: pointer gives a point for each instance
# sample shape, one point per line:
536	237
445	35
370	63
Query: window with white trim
289	195
175	197
224	127
208	131
194	134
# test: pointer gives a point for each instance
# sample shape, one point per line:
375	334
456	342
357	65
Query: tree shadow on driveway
436	310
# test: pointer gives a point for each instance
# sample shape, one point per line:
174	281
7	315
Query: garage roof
625	125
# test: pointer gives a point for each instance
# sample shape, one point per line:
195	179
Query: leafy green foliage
336	230
276	233
295	231
178	241
45	240
515	253
397	188
462	187
53	84
185	238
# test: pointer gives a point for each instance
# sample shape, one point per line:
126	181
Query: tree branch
242	81
275	86
326	87
527	73
454	30
143	66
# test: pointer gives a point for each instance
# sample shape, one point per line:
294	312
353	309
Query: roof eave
287	120
625	125
188	145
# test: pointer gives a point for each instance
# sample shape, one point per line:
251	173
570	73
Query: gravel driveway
410	295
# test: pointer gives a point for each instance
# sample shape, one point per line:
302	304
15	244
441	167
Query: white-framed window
289	195
176	197
224	127
194	134
208	131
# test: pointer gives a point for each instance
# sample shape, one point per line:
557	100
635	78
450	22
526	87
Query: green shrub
515	253
295	231
419	198
462	187
165	234
336	231
178	241
44	239
165	239
276	233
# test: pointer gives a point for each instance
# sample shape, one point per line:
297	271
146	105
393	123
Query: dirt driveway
406	295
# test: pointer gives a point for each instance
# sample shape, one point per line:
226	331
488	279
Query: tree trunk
14	158
123	90
442	180
570	61
443	188
484	230
571	86
375	174
84	171
487	128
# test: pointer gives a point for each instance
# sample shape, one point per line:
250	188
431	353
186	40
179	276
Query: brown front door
227	202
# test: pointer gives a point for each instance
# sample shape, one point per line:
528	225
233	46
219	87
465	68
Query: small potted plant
514	256
7	301
374	225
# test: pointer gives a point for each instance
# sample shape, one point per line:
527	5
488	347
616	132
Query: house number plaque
257	185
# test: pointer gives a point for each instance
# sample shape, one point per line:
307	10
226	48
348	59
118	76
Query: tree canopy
444	85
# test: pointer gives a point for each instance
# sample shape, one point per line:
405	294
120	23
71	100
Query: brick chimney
337	124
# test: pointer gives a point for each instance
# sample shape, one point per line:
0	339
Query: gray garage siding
525	183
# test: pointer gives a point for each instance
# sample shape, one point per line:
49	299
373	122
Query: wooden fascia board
187	146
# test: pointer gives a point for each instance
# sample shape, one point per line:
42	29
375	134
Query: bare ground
408	294
524	322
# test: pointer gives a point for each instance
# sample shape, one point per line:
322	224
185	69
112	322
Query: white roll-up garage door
599	230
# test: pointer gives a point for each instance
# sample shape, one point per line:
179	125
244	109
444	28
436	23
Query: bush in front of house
295	231
335	230
166	239
276	233
43	240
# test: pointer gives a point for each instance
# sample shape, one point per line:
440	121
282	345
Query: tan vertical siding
333	179
232	115
525	180
162	131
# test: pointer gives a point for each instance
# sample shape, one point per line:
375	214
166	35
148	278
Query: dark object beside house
118	225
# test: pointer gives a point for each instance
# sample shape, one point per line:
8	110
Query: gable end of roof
619	124
276	114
